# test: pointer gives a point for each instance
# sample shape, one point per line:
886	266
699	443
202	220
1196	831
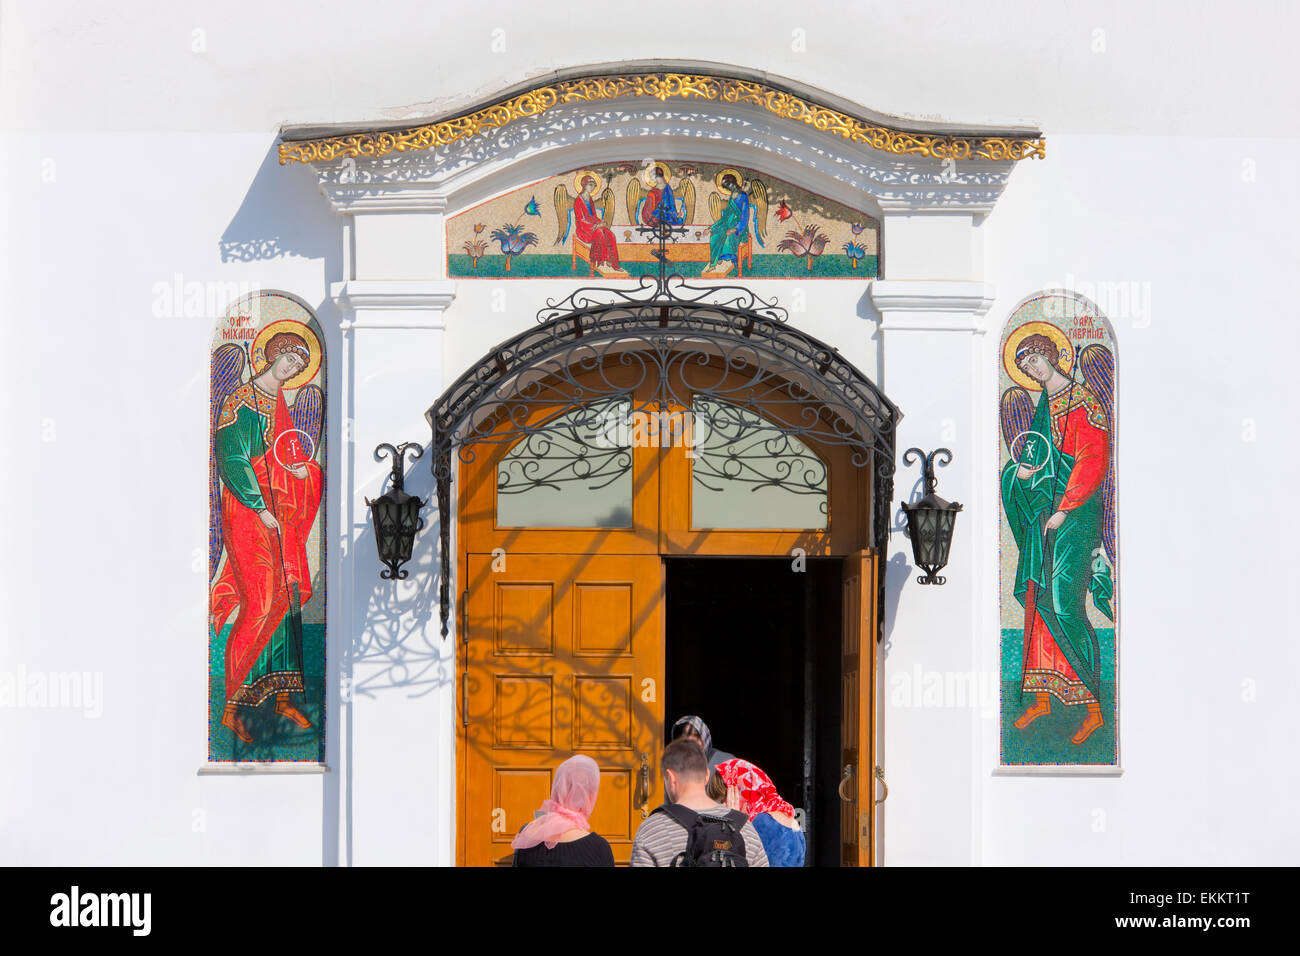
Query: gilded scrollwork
664	86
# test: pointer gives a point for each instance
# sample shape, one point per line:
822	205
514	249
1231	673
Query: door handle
880	775
643	787
464	617
848	775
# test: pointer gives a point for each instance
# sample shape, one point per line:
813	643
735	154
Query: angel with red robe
266	492
1058	493
589	218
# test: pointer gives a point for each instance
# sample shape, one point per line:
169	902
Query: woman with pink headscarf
559	834
752	792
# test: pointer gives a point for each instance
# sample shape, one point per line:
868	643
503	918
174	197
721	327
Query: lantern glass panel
944	538
924	527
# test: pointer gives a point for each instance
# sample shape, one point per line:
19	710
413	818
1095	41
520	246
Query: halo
649	171
297	328
717	180
1065	357
582	174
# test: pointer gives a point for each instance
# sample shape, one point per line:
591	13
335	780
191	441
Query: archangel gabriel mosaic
266	562
593	221
1059	559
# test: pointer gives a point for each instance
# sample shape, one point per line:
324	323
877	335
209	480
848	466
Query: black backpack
710	841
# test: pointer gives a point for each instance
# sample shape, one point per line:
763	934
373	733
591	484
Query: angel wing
607	203
308	413
634	194
758	198
227	373
716	205
1016	414
1097	363
563	213
686	193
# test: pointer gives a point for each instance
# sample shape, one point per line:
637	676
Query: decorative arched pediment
463	159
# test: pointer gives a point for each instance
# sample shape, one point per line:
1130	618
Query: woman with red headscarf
559	834
752	792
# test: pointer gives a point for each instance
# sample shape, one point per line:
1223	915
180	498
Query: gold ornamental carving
662	86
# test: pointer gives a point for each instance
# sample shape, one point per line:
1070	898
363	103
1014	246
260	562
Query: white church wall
134	163
1179	244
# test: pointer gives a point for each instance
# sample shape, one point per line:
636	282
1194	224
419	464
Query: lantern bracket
398	454
927	464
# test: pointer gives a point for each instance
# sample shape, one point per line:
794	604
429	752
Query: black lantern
396	514
930	521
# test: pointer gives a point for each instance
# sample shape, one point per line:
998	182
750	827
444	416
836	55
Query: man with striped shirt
660	839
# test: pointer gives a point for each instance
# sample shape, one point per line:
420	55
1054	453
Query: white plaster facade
1171	216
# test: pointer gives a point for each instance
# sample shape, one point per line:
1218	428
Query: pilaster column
932	340
395	671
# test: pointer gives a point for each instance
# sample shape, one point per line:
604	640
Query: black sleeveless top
591	850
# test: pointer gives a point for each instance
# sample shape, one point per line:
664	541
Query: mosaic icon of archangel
1058	500
267	480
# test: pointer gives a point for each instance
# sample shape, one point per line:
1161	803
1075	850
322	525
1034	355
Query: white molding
413	303
1055	770
240	769
932	306
350	196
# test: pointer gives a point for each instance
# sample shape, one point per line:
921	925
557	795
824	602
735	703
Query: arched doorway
593	454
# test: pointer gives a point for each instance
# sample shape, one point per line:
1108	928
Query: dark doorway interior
753	647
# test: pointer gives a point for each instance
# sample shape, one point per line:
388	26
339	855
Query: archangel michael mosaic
266	562
1058	542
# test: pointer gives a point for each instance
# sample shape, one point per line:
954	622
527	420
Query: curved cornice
762	95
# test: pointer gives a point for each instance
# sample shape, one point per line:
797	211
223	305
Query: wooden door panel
523	619
604	617
615	818
603	712
523	711
564	655
857	729
516	793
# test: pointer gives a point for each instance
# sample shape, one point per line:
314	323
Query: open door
858	725
563	654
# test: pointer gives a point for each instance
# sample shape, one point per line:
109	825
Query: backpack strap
737	819
684	816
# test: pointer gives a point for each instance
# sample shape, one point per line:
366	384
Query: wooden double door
565	656
562	648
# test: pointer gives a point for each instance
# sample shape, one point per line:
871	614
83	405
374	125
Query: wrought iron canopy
676	343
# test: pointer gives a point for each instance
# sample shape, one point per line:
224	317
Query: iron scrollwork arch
680	342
